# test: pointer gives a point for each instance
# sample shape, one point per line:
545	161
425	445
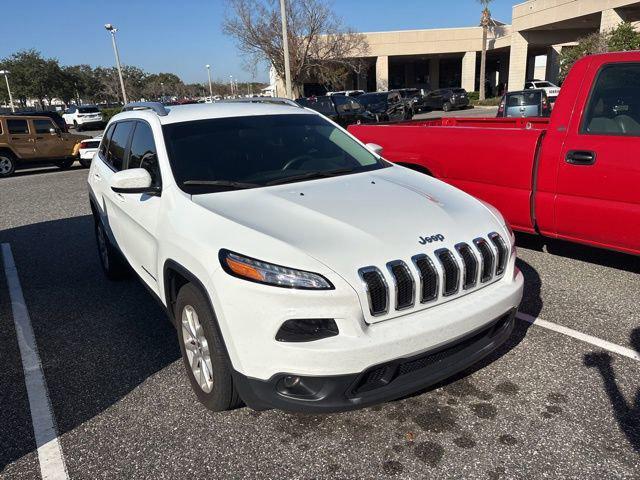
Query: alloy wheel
5	165
197	349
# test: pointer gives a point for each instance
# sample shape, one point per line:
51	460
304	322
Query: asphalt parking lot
545	405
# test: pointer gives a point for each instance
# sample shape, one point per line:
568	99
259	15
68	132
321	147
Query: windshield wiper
220	183
310	175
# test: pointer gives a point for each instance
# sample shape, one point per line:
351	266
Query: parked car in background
34	140
348	93
341	109
83	117
301	270
386	106
550	89
447	99
525	103
573	176
414	96
87	149
55	116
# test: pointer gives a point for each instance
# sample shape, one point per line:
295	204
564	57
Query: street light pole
231	83
111	29
162	89
209	75
6	79
285	45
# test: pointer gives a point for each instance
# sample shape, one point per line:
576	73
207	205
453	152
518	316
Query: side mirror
54	131
375	148
135	180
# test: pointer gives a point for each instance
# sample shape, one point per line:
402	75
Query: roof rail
157	107
273	100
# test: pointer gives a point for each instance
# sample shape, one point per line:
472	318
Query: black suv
414	97
386	106
341	109
447	99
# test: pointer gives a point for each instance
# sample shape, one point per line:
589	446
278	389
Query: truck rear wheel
7	164
205	359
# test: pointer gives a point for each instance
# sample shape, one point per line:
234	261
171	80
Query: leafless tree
321	48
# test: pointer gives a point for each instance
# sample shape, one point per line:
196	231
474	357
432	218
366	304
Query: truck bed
490	158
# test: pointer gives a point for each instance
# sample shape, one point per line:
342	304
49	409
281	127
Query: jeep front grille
431	277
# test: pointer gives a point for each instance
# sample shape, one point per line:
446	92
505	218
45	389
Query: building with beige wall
450	57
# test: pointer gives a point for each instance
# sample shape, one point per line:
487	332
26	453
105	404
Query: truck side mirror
375	148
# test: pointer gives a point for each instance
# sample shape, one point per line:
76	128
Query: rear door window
17	127
343	105
118	144
43	126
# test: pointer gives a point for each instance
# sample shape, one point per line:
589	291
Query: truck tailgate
491	159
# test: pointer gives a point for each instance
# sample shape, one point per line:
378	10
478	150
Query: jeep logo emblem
433	238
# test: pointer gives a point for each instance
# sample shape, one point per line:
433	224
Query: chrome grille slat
429	278
377	290
469	264
503	252
404	284
487	261
450	271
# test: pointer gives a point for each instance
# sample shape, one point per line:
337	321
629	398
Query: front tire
113	265
205	359
7	164
77	126
447	107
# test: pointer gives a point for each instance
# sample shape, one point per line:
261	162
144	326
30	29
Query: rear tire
84	162
113	265
7	164
77	126
66	163
205	359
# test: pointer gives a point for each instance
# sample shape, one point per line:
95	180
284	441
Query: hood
353	221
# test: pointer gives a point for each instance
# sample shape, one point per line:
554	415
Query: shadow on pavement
31	170
576	251
627	414
98	340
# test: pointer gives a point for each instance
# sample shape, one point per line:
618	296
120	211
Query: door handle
581	157
120	197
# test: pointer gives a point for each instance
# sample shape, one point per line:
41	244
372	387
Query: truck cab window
614	104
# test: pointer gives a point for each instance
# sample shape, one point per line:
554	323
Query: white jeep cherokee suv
301	270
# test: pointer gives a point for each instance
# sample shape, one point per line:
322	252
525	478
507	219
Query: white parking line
52	465
598	342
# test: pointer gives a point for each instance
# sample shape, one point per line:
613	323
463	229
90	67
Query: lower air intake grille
451	271
470	265
377	290
503	252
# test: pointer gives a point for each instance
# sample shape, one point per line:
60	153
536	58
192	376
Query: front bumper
381	382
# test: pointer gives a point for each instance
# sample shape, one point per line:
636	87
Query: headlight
254	270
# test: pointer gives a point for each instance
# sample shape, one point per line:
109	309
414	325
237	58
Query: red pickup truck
574	176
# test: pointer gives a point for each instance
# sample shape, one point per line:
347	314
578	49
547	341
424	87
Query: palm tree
485	21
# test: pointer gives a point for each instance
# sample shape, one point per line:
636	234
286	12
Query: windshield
544	84
88	110
255	151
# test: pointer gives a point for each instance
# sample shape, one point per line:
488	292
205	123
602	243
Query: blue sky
182	36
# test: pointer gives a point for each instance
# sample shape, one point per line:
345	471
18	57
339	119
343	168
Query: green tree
32	76
622	38
485	22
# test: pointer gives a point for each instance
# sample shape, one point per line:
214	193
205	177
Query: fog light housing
307	330
300	387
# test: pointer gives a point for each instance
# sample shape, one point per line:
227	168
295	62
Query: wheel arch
415	167
8	149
